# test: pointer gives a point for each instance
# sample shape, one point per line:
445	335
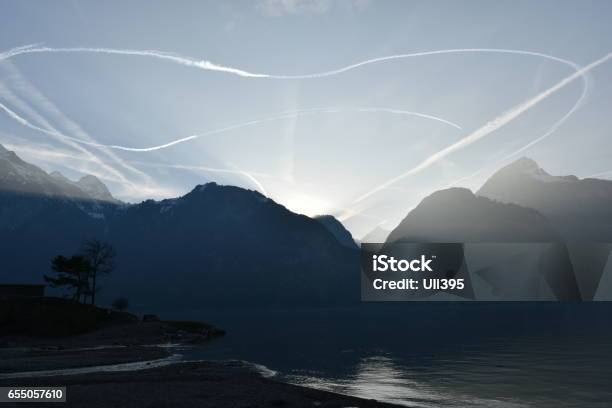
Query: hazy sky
323	161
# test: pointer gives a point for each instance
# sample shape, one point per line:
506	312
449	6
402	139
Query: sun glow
306	204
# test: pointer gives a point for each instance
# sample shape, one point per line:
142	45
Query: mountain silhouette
223	245
18	176
227	245
580	209
457	215
338	230
95	188
503	251
215	245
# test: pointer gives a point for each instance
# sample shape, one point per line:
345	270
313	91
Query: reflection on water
492	374
507	356
377	378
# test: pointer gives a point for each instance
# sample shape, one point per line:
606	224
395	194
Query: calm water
432	355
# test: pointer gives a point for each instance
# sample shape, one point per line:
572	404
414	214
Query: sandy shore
201	384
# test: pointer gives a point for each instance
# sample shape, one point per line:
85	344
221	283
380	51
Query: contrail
118	176
210	66
31	95
58	134
521	149
54	133
256	182
204	169
283	115
201	64
489	127
374	109
250	175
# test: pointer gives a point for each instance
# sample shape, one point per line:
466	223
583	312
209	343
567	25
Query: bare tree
101	258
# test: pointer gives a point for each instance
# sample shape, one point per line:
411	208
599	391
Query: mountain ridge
18	175
578	208
458	215
225	245
338	230
215	245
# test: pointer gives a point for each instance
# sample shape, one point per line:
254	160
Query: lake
422	354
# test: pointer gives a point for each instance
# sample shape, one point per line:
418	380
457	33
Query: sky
365	144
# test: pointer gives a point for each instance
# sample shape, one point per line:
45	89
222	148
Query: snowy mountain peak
524	164
10	156
524	169
95	188
18	176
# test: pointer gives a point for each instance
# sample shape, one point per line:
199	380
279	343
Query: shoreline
133	365
32	360
198	384
131	343
126	364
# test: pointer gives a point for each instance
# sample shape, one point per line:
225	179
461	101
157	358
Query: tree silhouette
101	259
72	273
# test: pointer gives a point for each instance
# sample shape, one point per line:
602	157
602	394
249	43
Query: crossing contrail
488	127
54	133
533	142
210	66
